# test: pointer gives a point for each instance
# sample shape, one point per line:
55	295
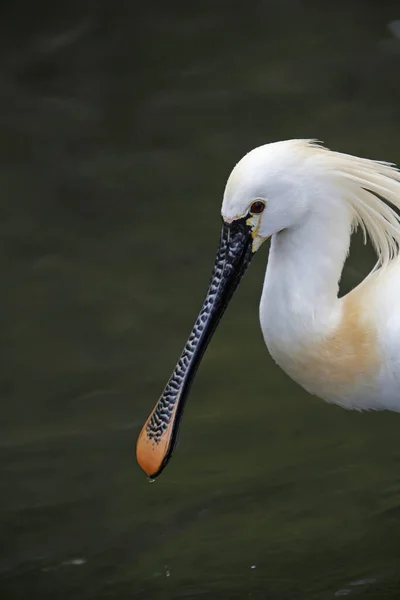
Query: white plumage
345	350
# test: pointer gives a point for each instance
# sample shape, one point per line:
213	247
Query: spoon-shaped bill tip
155	441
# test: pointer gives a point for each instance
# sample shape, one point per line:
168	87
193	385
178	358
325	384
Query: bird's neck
300	293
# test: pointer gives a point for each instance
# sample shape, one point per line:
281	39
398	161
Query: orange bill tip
155	442
150	454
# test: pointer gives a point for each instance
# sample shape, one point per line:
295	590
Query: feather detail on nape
372	190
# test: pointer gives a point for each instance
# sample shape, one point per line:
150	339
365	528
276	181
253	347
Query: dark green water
119	126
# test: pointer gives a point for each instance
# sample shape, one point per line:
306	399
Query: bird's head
264	195
269	189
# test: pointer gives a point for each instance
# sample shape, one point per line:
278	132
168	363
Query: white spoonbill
345	350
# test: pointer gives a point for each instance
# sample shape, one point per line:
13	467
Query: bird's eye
257	207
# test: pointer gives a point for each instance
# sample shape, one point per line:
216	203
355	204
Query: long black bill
158	437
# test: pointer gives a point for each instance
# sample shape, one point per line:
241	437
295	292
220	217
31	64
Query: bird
308	200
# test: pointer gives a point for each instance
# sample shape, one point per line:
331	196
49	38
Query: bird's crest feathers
371	189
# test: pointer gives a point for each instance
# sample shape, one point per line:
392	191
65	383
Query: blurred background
119	124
